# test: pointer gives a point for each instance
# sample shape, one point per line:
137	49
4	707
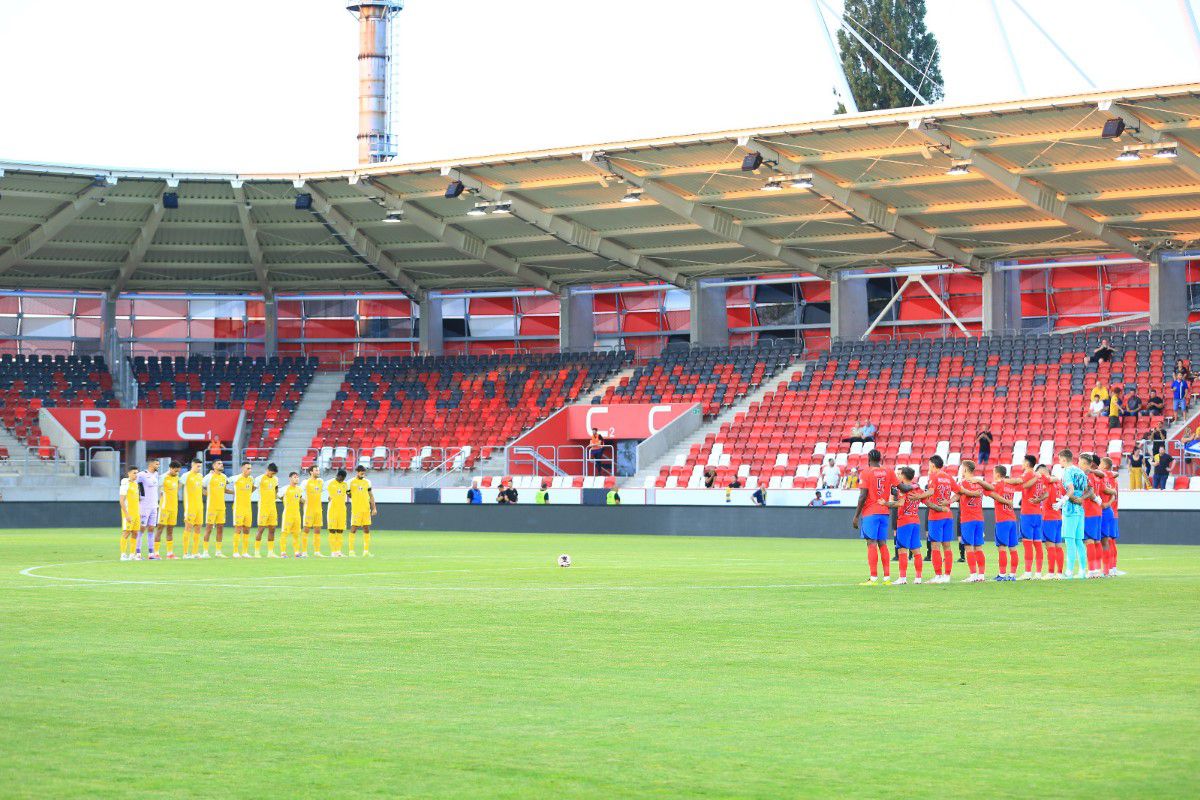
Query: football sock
1091	555
872	558
936	557
902	555
981	562
1080	554
367	545
947	561
917	563
1003	561
1037	553
1112	554
350	541
124	544
317	541
1028	543
885	558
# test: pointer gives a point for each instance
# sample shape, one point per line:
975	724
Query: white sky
270	85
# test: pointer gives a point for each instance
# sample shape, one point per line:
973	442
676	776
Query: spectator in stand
1137	470
1179	394
596	451
851	481
1097	407
984	440
816	502
508	494
868	431
1158	440
831	476
1114	410
710	477
1133	404
1162	469
1102	353
1099	392
1184	367
1154	404
215	448
474	496
856	435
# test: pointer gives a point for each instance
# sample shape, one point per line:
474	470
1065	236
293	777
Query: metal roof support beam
573	233
454	237
871	211
716	221
362	245
37	238
250	232
1035	194
137	250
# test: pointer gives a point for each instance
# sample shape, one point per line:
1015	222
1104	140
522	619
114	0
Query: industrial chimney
375	141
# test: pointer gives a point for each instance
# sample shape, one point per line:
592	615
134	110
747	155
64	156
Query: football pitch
470	665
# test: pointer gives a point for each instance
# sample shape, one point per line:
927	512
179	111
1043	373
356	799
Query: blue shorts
874	528
941	530
1006	534
1052	530
1031	527
972	533
1072	526
909	536
1109	526
1091	529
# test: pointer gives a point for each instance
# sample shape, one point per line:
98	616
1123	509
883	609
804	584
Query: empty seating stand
269	389
713	377
28	382
930	396
412	413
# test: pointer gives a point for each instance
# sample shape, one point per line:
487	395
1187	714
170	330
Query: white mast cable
1012	57
1091	84
850	30
843	83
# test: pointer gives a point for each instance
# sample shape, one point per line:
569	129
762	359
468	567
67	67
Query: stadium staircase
302	427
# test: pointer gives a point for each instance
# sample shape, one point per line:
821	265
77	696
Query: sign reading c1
149	424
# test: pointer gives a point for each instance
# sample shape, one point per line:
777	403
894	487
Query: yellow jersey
170	491
312	488
193	489
216	482
291	505
243	488
360	495
337	493
268	489
130	503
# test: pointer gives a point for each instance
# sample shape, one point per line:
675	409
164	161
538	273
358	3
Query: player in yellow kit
336	513
312	489
362	508
131	516
243	512
291	518
193	509
216	486
168	509
268	510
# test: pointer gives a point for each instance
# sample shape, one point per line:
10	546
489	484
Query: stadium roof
965	185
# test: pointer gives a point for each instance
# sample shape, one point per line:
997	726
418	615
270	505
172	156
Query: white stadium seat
820	448
781	460
905	449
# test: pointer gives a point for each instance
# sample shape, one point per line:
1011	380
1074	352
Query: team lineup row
1069	526
150	503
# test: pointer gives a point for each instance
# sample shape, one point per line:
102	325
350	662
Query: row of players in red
1040	526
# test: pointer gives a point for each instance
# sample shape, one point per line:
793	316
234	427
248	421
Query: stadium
643	468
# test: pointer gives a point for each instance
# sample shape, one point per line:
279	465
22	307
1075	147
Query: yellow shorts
131	525
291	525
312	516
242	518
193	513
215	515
268	516
337	518
168	515
360	519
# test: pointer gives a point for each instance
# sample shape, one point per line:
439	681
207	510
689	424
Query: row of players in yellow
150	510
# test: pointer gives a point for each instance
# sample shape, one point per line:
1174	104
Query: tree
896	29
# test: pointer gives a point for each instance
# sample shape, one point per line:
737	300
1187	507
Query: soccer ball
564	560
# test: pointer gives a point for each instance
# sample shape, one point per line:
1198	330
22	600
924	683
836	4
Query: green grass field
459	666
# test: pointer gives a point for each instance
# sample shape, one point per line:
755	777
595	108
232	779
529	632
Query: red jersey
1028	504
943	488
1005	513
910	506
1054	490
970	509
878	483
1091	506
1115	497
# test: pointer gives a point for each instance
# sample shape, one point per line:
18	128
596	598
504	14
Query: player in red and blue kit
970	519
1052	525
872	518
908	524
1110	519
1033	489
940	521
1093	512
1006	523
